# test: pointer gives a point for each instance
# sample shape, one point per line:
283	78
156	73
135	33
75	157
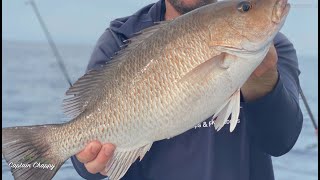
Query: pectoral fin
204	70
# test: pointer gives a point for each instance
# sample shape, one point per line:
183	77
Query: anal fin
122	160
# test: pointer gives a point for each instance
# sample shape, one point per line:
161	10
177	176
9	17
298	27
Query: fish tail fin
28	152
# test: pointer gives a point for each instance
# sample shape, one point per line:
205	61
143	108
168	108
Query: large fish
169	78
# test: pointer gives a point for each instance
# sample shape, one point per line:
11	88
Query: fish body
169	78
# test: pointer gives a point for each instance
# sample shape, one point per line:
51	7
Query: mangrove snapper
169	78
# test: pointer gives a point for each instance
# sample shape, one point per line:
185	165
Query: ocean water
33	89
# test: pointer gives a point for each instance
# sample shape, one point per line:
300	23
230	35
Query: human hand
95	156
263	79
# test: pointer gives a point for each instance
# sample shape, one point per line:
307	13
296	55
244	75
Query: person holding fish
180	90
269	99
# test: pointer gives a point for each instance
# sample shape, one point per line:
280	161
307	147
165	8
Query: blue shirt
268	126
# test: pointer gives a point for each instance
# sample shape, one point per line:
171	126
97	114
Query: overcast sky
83	21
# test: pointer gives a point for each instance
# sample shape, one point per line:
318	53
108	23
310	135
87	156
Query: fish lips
280	11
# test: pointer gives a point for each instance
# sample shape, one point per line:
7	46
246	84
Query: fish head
247	25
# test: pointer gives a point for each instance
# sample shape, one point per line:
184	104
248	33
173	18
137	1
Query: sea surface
34	87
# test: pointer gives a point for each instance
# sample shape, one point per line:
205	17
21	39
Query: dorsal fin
138	37
84	91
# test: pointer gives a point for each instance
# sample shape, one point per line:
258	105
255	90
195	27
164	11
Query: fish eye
244	6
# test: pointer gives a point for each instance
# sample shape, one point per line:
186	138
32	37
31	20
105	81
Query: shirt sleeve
108	44
82	171
275	120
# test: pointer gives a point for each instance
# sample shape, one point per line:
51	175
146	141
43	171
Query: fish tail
28	152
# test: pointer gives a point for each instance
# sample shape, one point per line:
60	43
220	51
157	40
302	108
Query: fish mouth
280	11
